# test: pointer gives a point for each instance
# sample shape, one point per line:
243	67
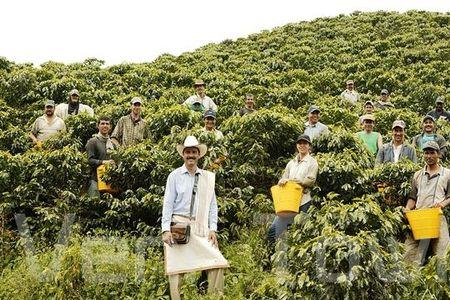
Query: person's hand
167	238
439	205
213	238
109	161
282	181
406	209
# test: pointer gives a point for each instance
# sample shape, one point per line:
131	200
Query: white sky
140	30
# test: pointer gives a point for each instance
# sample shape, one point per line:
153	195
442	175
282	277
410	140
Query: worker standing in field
370	138
249	105
430	188
314	128
302	169
397	148
131	129
200	102
350	96
384	103
47	125
210	124
428	134
439	112
73	106
368	109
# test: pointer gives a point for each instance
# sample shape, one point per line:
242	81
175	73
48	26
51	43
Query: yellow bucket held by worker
287	198
103	187
425	223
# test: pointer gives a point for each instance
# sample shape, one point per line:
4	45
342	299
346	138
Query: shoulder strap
194	192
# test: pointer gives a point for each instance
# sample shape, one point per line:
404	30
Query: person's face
368	109
49	110
398	134
210	122
431	157
313	117
439	106
428	126
200	89
104	127
384	97
136	108
190	156
303	147
350	86
74	98
368	125
249	101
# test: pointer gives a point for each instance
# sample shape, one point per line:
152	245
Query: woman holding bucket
302	170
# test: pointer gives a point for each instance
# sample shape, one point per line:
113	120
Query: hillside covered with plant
57	243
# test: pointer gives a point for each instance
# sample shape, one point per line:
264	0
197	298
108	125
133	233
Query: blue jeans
281	224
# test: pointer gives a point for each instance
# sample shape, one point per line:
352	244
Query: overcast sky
140	30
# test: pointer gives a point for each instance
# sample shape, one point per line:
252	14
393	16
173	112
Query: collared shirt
304	170
217	133
439	114
207	102
129	132
177	198
62	110
386	153
351	97
315	130
419	140
429	190
43	130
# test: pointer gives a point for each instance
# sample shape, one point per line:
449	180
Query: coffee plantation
57	243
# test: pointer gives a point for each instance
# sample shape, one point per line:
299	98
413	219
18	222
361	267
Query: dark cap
431	145
303	137
209	113
428	117
313	108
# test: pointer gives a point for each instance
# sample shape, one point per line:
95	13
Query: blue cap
209	113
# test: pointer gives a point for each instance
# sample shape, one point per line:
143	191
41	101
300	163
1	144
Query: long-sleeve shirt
315	130
177	198
386	153
207	102
419	140
352	97
96	151
130	132
303	171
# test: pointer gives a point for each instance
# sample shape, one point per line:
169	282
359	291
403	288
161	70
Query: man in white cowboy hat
73	106
199	101
189	198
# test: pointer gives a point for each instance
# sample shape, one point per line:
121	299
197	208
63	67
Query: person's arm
413	154
33	138
446	202
212	105
311	176
379	141
117	133
170	195
34	132
285	176
63	126
412	197
90	150
380	156
213	216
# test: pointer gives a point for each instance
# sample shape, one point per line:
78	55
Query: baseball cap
198	82
428	117
384	91
368	117
398	123
313	108
49	103
74	92
136	100
209	113
350	82
303	137
368	102
431	145
440	99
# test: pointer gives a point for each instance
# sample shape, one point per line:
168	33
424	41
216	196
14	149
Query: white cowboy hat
191	141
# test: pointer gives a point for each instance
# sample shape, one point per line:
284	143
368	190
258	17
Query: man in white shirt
47	125
313	128
73	107
350	95
199	101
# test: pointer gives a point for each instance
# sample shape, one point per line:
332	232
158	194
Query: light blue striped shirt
177	198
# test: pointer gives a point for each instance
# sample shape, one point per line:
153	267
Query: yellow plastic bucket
103	187
287	198
425	223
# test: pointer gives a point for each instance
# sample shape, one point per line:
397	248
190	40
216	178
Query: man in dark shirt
97	149
439	112
249	105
